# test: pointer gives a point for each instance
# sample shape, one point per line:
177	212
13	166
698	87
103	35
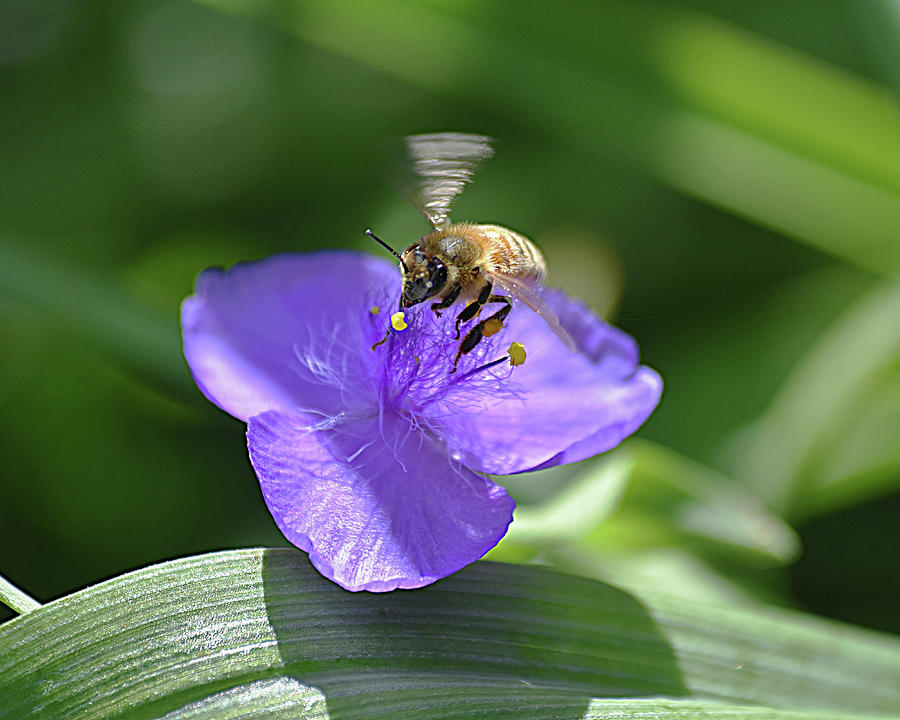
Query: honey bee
466	261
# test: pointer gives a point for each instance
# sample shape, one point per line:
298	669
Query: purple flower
375	461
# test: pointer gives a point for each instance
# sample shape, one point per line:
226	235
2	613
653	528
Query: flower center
417	362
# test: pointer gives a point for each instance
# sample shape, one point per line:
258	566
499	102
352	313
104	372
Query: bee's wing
529	295
442	164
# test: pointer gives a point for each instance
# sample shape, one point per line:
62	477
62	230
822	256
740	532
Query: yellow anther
398	322
516	354
374	310
491	327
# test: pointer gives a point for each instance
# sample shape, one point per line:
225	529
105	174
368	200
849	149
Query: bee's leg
494	323
447	301
468	312
485	328
471	310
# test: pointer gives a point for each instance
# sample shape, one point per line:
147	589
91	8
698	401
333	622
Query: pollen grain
398	322
491	326
516	354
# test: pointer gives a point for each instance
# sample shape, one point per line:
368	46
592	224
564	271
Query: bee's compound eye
429	281
437	275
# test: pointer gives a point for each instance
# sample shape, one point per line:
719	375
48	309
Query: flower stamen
398	321
516	354
486	366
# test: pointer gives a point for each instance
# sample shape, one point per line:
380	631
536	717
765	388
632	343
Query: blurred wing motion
443	163
530	295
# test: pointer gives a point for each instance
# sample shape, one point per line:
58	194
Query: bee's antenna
388	248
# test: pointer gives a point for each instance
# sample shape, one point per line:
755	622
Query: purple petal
287	333
376	504
570	405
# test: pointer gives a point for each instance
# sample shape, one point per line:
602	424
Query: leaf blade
169	637
15	599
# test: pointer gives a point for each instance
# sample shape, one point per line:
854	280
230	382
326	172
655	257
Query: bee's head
424	276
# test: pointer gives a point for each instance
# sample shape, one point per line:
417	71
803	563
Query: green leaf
258	633
16	599
829	437
579	508
705	506
681	709
643	495
646	516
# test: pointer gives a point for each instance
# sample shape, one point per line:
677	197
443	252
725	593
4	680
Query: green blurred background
722	179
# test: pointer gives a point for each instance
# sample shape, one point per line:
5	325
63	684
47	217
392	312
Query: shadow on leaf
492	639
